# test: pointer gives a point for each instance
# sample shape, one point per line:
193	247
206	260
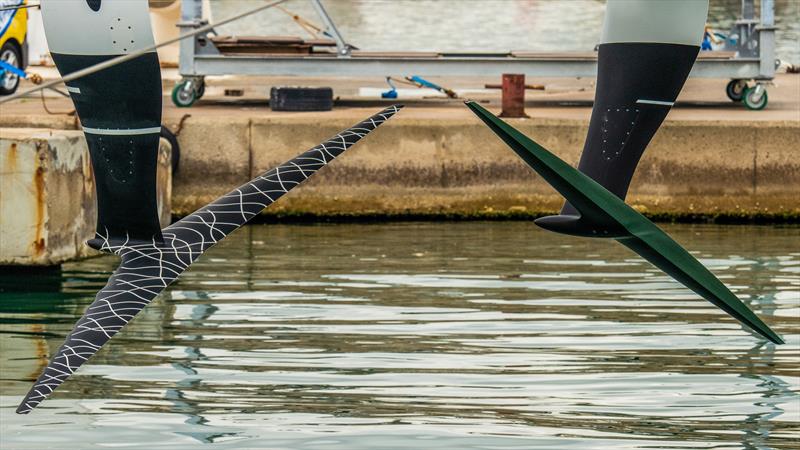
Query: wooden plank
321	42
716	55
263	52
276	40
272	40
258	49
268	45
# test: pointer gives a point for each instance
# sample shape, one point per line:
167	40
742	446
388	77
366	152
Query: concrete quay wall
455	167
47	196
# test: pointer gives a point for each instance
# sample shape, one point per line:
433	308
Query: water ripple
436	336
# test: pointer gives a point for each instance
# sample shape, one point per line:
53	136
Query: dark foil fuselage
120	111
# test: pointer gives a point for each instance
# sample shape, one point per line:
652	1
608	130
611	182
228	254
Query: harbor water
480	25
419	335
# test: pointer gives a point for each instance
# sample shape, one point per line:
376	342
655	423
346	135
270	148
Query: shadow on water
179	404
434	335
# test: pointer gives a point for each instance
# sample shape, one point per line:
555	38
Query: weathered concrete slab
215	158
47	196
37	225
416	166
64	120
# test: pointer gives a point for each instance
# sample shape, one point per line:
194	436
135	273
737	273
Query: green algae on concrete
440	167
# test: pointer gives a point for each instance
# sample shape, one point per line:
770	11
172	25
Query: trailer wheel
9	82
185	93
201	88
183	96
755	98
735	90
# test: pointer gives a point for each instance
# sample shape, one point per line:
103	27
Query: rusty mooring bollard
513	95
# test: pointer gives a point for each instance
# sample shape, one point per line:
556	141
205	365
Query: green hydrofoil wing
604	214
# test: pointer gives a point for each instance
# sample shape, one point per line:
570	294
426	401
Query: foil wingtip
23	408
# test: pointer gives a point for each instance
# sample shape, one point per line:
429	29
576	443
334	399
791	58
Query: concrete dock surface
712	159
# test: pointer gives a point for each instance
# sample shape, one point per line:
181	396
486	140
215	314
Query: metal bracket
342	47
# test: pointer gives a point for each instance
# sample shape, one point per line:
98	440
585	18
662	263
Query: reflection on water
479	25
420	335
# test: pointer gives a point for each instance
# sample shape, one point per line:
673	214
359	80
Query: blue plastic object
421	82
4	66
425	83
418	82
391	93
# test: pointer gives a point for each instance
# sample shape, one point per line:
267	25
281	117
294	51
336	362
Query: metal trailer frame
752	66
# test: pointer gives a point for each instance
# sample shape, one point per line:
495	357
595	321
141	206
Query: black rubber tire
176	148
10	48
201	90
301	99
735	90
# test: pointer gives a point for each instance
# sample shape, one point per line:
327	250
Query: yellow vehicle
13	43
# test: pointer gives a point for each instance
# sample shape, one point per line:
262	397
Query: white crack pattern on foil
147	268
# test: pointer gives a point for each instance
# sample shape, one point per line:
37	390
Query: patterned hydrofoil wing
147	268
